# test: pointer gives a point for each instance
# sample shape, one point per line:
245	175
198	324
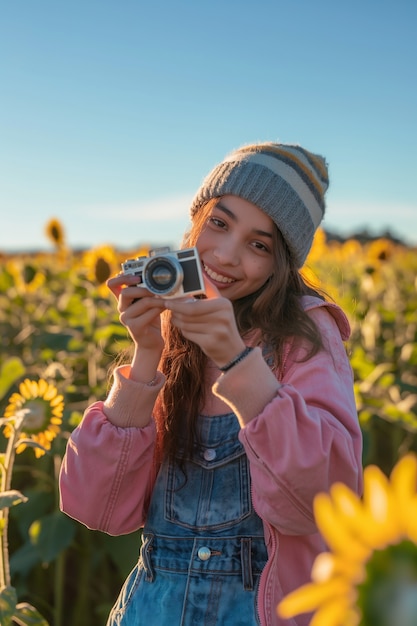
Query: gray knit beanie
286	181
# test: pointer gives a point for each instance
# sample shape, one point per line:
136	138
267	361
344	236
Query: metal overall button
204	553
209	454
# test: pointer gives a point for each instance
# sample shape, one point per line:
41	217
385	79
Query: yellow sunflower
369	577
28	277
54	230
37	412
351	250
381	250
318	247
100	263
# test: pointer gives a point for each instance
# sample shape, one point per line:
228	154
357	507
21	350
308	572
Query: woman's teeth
217	277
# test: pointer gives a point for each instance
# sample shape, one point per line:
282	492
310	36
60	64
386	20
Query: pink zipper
260	606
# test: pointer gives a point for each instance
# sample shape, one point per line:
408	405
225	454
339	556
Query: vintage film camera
171	274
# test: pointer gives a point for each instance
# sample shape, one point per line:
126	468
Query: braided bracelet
236	360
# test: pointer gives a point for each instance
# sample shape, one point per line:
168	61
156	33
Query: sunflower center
102	270
388	597
35	415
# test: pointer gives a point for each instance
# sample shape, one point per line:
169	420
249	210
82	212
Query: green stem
58	588
6	480
80	606
60	560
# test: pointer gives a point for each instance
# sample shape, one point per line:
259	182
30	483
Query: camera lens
162	275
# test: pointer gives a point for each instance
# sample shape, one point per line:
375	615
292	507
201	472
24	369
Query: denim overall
203	546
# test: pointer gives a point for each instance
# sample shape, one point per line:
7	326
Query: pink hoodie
305	439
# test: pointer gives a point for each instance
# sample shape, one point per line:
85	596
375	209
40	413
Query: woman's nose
228	252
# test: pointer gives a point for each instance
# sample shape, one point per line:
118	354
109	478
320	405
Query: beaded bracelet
236	360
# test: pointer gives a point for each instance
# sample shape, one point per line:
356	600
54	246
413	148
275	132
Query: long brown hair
274	311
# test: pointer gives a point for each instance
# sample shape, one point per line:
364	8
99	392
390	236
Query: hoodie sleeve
108	468
307	437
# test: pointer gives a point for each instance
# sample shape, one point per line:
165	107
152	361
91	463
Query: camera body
169	274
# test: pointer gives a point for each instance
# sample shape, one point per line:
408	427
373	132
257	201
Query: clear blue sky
112	112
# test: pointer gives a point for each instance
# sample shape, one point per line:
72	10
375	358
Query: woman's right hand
139	312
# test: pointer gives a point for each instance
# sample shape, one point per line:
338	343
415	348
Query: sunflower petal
24	389
311	596
20	448
328	565
56	400
335	532
333	613
34	388
50	393
404	483
16	398
42	387
381	504
39	452
350	507
411	521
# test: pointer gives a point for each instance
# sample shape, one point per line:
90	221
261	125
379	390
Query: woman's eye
217	222
260	246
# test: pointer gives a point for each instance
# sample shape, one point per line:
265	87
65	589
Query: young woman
236	409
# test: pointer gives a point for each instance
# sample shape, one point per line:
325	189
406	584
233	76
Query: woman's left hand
210	323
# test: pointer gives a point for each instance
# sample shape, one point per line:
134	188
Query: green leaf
52	534
11	498
24	559
41	502
123	550
27	615
55	341
8	599
75	418
10	372
108	332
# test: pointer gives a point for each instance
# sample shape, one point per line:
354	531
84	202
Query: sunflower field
60	334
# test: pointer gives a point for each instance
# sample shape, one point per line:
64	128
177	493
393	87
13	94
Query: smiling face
236	247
